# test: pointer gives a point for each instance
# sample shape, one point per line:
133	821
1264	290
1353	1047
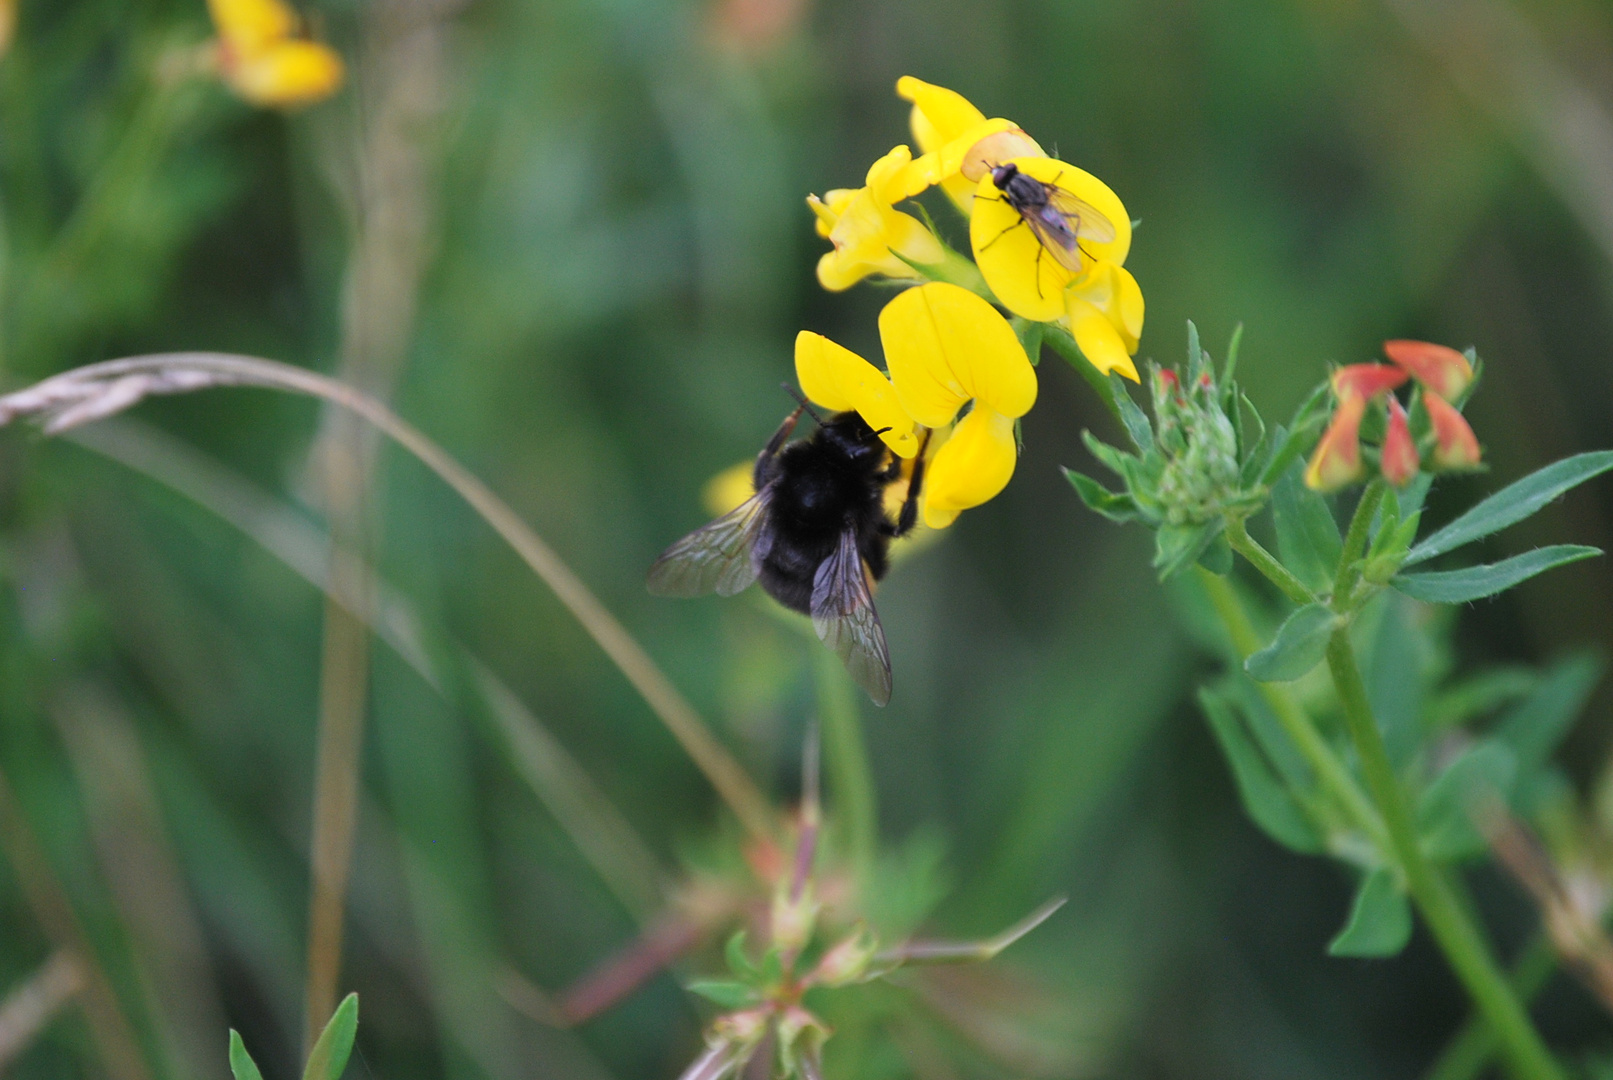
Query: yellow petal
1112	290
289	74
838	379
945	345
867	232
973	466
1100	342
938	114
250	25
1027	279
959	162
829	208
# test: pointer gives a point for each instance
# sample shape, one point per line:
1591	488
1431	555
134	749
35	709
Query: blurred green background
569	241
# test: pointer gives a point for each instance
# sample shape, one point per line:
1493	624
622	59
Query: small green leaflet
335	1044
1513	503
1477	582
1266	799
1114	505
727	994
241	1064
1379	922
1300	643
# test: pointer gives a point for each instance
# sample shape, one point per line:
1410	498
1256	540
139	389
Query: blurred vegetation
601	260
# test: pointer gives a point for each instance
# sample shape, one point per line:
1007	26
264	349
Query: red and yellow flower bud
1399	460
1366	381
1455	445
1336	462
1438	367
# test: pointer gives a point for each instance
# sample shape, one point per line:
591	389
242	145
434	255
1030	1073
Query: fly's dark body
1034	201
822	487
1059	219
815	536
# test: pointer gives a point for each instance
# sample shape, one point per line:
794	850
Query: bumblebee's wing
844	616
720	557
1070	219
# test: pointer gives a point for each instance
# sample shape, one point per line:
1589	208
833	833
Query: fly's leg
1004	233
1041	249
764	461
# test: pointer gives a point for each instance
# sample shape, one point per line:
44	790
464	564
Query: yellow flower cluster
946	345
262	57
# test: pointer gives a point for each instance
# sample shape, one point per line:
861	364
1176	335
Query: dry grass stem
81	396
1571	916
30	1007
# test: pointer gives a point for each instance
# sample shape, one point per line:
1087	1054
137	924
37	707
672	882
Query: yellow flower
868	233
1102	302
263	60
956	140
839	379
8	23
947	347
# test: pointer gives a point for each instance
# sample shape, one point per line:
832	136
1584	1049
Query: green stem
1469	1052
1318	752
1264	561
1355	542
851	781
1457	934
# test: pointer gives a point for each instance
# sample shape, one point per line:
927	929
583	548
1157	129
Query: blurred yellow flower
868	233
958	144
262	58
1102	301
8	23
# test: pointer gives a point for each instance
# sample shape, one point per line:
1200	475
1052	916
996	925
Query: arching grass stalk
95	391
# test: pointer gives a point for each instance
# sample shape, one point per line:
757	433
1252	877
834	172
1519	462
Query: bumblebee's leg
764	461
909	515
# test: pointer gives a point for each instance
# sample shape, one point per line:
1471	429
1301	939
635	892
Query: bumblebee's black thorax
823	485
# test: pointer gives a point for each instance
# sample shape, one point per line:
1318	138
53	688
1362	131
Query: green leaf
1115	460
1308	540
1136	422
726	993
1379	922
1534	726
1266	800
739	963
1114	505
241	1064
1477	582
1029	333
1395	679
1513	503
1445	809
335	1044
1480	694
1176	547
1299	646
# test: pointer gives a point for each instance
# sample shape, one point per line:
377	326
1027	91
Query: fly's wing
1065	222
844	616
720	557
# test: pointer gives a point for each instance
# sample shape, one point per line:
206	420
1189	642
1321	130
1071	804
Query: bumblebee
815	535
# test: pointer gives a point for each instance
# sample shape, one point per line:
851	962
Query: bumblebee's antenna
796	394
